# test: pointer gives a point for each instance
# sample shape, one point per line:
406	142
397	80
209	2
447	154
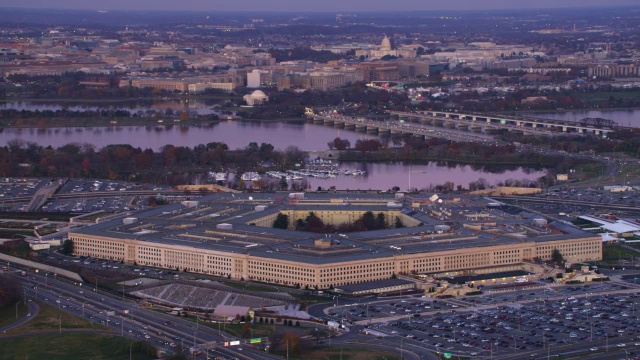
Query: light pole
17	309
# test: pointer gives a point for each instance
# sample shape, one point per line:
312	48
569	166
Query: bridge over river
491	123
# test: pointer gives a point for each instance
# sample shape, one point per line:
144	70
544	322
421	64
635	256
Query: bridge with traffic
488	122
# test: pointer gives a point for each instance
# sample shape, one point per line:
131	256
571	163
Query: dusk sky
307	5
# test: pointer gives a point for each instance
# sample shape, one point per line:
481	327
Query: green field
68	347
337	353
612	253
39	339
8	313
249	286
50	318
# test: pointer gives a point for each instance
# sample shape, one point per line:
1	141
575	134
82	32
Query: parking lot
538	320
108	204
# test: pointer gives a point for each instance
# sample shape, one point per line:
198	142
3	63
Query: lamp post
17	309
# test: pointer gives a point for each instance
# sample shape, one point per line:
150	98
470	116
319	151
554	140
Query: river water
306	136
629	118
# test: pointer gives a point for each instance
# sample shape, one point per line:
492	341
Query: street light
17	309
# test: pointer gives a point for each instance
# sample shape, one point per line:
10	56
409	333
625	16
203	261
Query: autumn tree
10	290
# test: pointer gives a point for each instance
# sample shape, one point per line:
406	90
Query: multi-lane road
127	318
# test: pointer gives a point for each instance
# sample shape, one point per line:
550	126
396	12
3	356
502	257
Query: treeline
170	165
312	223
27	114
627	141
304	53
66	86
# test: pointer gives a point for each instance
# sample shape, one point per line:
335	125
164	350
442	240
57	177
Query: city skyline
325	6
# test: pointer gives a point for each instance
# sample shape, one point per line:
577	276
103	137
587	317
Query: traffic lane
33	310
149	325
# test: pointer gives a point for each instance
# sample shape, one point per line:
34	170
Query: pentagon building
232	236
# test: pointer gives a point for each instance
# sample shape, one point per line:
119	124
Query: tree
381	221
340	144
10	290
556	257
145	348
281	221
67	247
284	185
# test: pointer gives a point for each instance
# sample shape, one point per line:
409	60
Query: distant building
608	71
256	98
385	49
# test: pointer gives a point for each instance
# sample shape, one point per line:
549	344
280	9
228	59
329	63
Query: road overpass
488	122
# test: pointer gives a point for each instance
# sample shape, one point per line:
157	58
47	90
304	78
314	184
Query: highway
126	318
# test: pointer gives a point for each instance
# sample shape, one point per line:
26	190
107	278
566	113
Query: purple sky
308	5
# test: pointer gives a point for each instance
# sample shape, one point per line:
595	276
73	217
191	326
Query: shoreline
191	122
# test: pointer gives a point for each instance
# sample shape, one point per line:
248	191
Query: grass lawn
249	286
612	253
589	171
8	313
49	318
68	347
335	353
257	329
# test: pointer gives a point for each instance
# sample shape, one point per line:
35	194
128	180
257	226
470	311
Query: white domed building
256	98
386	48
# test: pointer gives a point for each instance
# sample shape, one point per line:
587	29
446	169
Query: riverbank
562	110
123	100
100	122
